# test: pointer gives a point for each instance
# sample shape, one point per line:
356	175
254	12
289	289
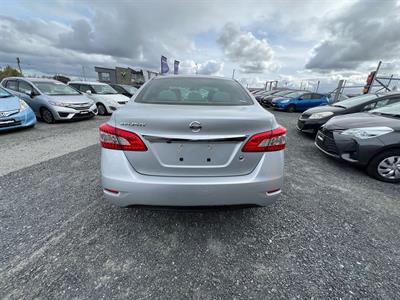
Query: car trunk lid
193	140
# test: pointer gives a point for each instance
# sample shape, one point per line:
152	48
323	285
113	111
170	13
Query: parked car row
25	99
290	100
364	130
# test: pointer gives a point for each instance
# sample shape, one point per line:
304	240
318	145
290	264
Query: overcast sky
261	40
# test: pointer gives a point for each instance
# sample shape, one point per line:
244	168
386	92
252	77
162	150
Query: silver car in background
192	141
50	99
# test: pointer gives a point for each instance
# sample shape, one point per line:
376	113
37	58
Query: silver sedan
192	141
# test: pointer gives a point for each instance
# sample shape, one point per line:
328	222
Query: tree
8	72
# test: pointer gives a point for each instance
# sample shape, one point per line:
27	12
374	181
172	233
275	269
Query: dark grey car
369	139
313	118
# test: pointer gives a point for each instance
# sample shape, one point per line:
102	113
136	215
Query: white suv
107	99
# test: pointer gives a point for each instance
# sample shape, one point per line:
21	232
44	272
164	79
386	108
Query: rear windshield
194	91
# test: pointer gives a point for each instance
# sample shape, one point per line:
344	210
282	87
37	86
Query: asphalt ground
334	233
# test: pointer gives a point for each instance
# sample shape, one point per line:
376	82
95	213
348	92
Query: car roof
391	93
88	82
191	76
32	79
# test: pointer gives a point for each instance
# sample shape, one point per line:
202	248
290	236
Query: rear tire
47	115
101	109
385	166
291	108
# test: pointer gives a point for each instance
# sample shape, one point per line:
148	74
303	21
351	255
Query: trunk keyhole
208	159
180	158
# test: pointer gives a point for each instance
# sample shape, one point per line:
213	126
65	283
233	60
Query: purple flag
176	67
164	65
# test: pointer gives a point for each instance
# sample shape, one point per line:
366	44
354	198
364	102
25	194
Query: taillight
268	141
118	139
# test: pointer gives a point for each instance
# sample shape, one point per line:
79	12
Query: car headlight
22	105
284	101
321	115
56	103
367	132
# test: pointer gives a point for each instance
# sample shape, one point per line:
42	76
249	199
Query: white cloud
253	55
211	67
269	40
359	34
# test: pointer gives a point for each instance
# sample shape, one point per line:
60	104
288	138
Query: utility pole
19	65
83	73
233	74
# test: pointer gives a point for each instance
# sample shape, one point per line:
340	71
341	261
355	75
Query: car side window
306	97
84	88
369	106
24	87
316	96
381	103
118	88
12	85
393	100
75	86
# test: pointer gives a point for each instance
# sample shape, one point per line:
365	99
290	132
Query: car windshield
294	94
194	91
355	101
55	88
4	93
389	110
130	89
103	89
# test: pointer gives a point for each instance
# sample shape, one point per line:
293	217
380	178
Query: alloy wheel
390	167
101	109
47	116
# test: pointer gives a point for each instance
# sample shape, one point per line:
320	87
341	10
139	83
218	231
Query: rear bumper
260	187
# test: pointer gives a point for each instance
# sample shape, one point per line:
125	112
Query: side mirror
89	92
30	93
300	98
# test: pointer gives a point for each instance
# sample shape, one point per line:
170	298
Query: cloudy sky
262	40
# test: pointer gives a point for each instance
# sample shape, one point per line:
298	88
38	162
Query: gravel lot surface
27	147
334	233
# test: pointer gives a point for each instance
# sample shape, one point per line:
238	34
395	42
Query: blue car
14	112
299	101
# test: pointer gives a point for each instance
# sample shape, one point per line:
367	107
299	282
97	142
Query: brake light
268	141
118	139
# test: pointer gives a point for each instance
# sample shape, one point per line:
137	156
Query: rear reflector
111	191
268	141
118	139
